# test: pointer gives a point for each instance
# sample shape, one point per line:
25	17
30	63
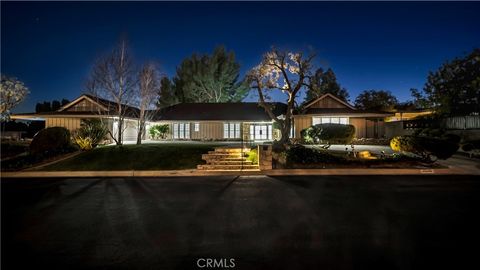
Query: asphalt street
296	222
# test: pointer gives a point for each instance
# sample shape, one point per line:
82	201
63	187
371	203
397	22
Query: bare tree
291	69
146	96
114	78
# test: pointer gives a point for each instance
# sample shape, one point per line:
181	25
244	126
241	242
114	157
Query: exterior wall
360	127
364	128
301	122
69	123
327	102
208	131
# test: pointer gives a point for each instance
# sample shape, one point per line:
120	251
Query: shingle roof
246	111
339	111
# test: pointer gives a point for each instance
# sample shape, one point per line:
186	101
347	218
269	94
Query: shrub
304	155
90	134
50	140
253	156
329	133
159	131
425	147
471	145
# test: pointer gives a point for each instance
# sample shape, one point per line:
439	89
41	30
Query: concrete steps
227	159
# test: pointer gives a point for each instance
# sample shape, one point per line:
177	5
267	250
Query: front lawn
136	157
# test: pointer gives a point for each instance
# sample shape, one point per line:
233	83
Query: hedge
328	133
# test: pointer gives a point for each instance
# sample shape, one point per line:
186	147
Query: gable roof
108	107
313	101
246	111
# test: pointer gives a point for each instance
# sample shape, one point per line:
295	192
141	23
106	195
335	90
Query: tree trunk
119	134
139	133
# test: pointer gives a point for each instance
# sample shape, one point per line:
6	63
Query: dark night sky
51	46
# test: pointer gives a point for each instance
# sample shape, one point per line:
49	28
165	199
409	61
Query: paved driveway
374	222
375	149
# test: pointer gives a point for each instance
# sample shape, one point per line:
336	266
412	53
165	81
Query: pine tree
323	82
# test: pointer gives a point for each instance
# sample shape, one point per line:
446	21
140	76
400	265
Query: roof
246	111
342	111
315	100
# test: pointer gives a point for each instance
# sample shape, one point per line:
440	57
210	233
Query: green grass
135	157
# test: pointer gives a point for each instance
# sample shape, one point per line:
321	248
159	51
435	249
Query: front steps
227	159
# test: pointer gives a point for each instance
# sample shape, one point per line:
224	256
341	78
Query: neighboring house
330	109
216	121
87	107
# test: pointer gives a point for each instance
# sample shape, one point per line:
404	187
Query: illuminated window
197	127
181	130
328	120
231	130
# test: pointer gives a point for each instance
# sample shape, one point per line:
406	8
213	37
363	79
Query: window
231	130
327	120
261	132
197	127
181	130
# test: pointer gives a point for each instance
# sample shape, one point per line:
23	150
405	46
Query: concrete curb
283	172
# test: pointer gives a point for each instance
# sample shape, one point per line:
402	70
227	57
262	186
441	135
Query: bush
50	140
425	147
90	134
253	156
328	133
159	131
471	145
304	155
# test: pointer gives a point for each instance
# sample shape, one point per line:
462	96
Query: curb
196	173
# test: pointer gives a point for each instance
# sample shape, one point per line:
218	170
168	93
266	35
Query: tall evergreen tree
167	96
209	78
323	82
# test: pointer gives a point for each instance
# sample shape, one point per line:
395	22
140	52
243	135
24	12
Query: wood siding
209	130
68	123
327	102
300	123
84	105
360	127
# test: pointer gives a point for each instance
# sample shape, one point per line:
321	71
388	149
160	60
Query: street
294	222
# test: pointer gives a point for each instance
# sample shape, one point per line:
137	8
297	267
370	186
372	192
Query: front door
261	132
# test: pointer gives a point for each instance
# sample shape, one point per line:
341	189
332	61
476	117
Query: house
331	109
219	121
216	121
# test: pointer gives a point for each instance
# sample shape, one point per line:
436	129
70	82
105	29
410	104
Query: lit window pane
175	131
325	120
269	132
252	132
182	131
334	120
225	130
187	131
197	127
343	120
232	131
237	130
316	121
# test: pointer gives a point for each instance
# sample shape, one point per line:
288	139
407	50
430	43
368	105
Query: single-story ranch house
216	121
